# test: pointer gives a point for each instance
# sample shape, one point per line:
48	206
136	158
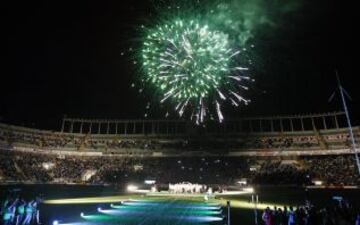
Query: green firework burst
191	64
186	60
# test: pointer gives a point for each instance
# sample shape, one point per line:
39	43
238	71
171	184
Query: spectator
357	220
29	210
267	217
20	211
291	216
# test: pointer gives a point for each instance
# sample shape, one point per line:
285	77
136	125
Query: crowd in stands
36	167
55	140
339	212
42	168
276	172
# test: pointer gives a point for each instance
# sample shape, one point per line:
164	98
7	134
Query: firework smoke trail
198	56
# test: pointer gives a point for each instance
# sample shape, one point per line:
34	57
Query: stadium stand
288	157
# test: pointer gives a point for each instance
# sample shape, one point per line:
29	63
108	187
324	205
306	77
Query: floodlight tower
353	143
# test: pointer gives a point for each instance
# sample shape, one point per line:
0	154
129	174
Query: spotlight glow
89	200
249	190
132	188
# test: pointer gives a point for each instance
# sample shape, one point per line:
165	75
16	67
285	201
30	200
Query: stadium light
150	182
249	189
242	182
153	189
55	222
318	182
132	188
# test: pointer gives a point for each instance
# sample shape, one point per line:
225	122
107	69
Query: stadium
191	112
133	163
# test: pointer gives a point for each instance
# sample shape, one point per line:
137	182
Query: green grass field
66	203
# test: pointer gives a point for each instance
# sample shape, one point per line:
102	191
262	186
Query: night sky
65	57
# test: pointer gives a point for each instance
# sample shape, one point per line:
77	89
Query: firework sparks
192	67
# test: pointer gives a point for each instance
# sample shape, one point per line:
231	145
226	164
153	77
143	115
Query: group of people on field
17	211
341	213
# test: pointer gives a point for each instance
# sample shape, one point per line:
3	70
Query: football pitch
87	205
147	212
